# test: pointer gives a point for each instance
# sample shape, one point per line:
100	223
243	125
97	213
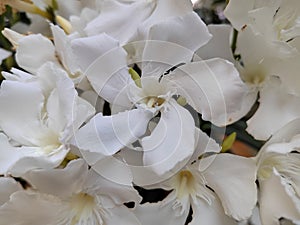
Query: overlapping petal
204	213
173	48
233	183
280	202
7	187
212	87
171	143
108	134
276	109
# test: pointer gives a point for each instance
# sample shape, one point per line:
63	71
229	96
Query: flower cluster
105	105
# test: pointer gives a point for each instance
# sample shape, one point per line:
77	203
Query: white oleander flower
273	26
275	20
222	193
263	73
34	50
278	171
74	195
39	114
213	88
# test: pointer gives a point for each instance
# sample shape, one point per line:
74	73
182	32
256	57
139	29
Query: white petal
8	154
233	180
164	213
171	143
66	10
88	49
36	158
64	50
115	170
4	54
93	98
7	187
59	182
219	45
33	51
237	11
82	112
120	191
108	134
19	160
121	213
209	214
276	109
174	47
20	112
47	209
17	75
142	175
287	133
38	25
265	50
120	20
166	9
212	87
60	105
12	36
280	202
204	144
109	75
284	147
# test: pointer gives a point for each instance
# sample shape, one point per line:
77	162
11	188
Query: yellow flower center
153	101
184	183
82	206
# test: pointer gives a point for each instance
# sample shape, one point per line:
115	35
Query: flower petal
30	60
171	143
212	87
88	49
109	75
120	213
173	47
8	154
8	186
59	182
114	170
36	158
120	19
282	200
219	45
233	180
204	213
164	213
44	208
285	134
119	190
204	144
142	175
276	109
108	134
4	54
64	50
168	9
20	112
237	11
